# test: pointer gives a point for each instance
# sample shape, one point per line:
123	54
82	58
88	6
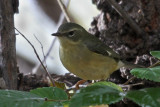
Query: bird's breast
86	64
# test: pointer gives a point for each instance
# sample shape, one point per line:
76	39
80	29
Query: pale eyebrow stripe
71	30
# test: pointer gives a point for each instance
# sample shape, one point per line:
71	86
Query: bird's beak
56	34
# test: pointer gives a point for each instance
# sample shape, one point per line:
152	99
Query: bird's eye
71	33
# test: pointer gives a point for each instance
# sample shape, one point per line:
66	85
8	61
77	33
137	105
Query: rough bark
115	31
8	64
112	28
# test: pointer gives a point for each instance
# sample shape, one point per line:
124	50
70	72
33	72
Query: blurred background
40	18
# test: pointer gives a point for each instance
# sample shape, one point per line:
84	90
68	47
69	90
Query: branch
64	10
36	68
44	61
38	58
60	21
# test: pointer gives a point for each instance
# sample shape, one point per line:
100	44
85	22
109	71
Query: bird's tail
132	65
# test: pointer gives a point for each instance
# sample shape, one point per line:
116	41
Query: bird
85	55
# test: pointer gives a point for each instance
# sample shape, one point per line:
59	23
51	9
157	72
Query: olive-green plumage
85	55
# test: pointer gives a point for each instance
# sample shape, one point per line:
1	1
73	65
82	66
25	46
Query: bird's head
71	32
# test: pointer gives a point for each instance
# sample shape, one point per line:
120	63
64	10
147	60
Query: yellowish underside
86	64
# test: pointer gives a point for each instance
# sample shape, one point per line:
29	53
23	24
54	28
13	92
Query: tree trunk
117	32
114	29
8	63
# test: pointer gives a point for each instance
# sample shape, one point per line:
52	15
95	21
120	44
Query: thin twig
46	99
155	64
61	19
64	10
36	68
43	61
132	24
131	85
132	78
38	58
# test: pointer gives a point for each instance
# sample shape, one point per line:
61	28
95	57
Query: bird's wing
95	45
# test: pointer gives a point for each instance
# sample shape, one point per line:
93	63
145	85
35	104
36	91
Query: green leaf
110	84
66	103
12	98
41	97
51	93
52	104
155	54
147	73
95	95
149	97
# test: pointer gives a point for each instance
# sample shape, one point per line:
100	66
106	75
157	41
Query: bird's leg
79	83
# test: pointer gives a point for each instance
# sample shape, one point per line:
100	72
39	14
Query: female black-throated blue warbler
85	55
